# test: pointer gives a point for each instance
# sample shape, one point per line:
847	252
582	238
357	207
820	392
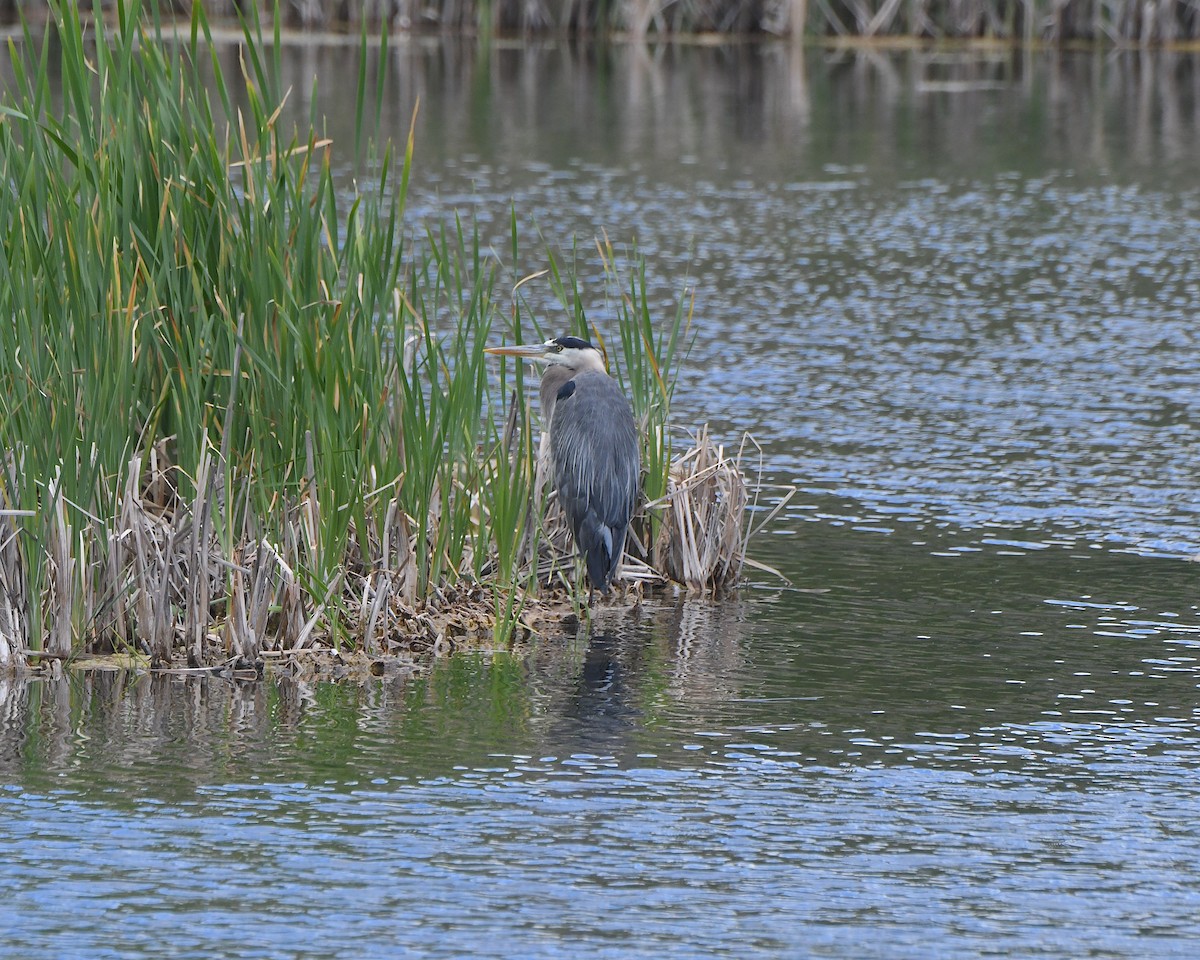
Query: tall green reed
189	285
159	239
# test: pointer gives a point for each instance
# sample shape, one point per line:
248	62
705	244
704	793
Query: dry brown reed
701	541
14	621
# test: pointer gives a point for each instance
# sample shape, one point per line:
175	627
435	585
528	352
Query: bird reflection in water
684	661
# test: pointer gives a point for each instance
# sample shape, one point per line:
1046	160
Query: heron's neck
553	378
557	374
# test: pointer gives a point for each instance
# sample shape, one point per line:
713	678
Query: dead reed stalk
14	621
62	595
702	539
198	589
150	540
14	617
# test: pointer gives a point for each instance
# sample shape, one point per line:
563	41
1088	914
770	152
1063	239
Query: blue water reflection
921	754
824	862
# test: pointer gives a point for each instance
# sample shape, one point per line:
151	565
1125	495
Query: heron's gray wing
594	446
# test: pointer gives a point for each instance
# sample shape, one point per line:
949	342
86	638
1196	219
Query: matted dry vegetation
161	589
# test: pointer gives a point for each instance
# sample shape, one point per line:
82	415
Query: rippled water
944	287
954	300
947	752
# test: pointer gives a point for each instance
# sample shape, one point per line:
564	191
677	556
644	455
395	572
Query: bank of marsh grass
242	412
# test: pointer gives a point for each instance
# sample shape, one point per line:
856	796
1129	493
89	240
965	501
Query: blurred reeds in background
1028	21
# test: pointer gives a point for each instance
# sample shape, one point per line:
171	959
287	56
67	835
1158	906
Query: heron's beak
533	351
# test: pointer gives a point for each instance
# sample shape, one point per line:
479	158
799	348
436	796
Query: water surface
953	298
949	755
947	286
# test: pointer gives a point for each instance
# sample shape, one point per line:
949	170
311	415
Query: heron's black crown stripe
573	343
566	390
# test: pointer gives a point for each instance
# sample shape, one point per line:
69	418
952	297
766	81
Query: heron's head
573	353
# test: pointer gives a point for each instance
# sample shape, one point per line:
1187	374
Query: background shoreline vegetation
243	415
1106	22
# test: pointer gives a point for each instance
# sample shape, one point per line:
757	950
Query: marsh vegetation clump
242	412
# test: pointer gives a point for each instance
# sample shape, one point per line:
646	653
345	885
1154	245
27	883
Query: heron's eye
558	348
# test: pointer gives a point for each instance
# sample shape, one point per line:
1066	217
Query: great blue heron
593	449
